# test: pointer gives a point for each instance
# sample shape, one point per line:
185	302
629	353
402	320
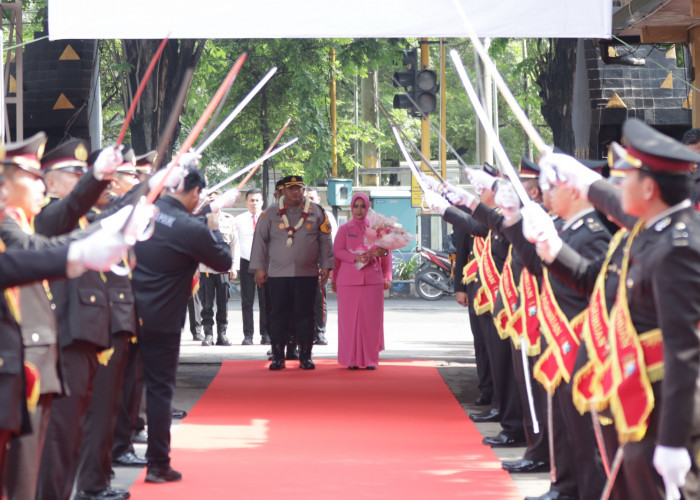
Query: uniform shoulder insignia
593	225
663	224
679	235
326	225
47	200
577	225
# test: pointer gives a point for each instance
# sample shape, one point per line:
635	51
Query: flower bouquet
385	232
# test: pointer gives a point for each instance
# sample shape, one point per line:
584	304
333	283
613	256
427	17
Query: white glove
436	202
174	181
458	196
538	228
508	201
189	160
139	227
107	162
99	252
432	183
673	465
480	179
569	171
227	199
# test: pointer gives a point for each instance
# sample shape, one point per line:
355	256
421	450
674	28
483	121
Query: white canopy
80	19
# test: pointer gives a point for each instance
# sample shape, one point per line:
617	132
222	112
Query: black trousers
4	440
95	464
248	288
25	453
194	312
576	440
59	460
292	299
214	289
321	310
537	443
132	392
159	352
505	390
483	366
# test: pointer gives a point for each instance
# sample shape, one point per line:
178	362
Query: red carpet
397	432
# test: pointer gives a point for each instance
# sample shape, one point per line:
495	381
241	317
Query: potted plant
403	270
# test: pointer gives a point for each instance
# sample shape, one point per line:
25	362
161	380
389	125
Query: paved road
414	329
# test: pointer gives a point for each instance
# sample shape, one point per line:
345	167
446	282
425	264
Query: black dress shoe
265	340
118	491
129	459
320	339
524	465
247	341
490	415
162	475
107	494
198	336
179	413
502	440
353	367
370	367
552	495
483	400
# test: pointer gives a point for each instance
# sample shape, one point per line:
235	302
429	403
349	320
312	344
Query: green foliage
404	268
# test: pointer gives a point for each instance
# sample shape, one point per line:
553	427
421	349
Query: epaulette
594	225
679	235
577	225
47	200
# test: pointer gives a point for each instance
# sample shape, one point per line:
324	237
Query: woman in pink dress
360	291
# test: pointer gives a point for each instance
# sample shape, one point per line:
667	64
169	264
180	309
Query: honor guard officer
655	349
292	251
21	266
82	308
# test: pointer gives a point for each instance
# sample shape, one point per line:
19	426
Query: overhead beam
664	34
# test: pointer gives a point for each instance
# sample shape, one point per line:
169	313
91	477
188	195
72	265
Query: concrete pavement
413	329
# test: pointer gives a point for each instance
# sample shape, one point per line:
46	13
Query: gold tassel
103	357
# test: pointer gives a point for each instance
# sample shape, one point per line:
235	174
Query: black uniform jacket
587	235
19	267
166	263
663	291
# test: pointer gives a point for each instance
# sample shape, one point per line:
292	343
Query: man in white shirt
246	223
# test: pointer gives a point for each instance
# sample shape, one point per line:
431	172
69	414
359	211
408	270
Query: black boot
208	336
277	357
292	352
305	362
221	335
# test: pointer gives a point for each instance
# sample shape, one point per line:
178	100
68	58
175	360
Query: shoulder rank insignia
593	225
326	225
679	235
663	224
577	225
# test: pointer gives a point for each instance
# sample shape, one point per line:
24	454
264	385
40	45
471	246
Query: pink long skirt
360	324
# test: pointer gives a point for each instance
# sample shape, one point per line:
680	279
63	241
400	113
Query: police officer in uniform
162	283
82	310
292	252
659	290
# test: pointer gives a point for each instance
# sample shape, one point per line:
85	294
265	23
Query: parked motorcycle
434	278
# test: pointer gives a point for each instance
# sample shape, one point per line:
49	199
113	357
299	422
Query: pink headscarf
361	223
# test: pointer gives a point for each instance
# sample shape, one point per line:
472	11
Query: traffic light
407	80
426	90
420	84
